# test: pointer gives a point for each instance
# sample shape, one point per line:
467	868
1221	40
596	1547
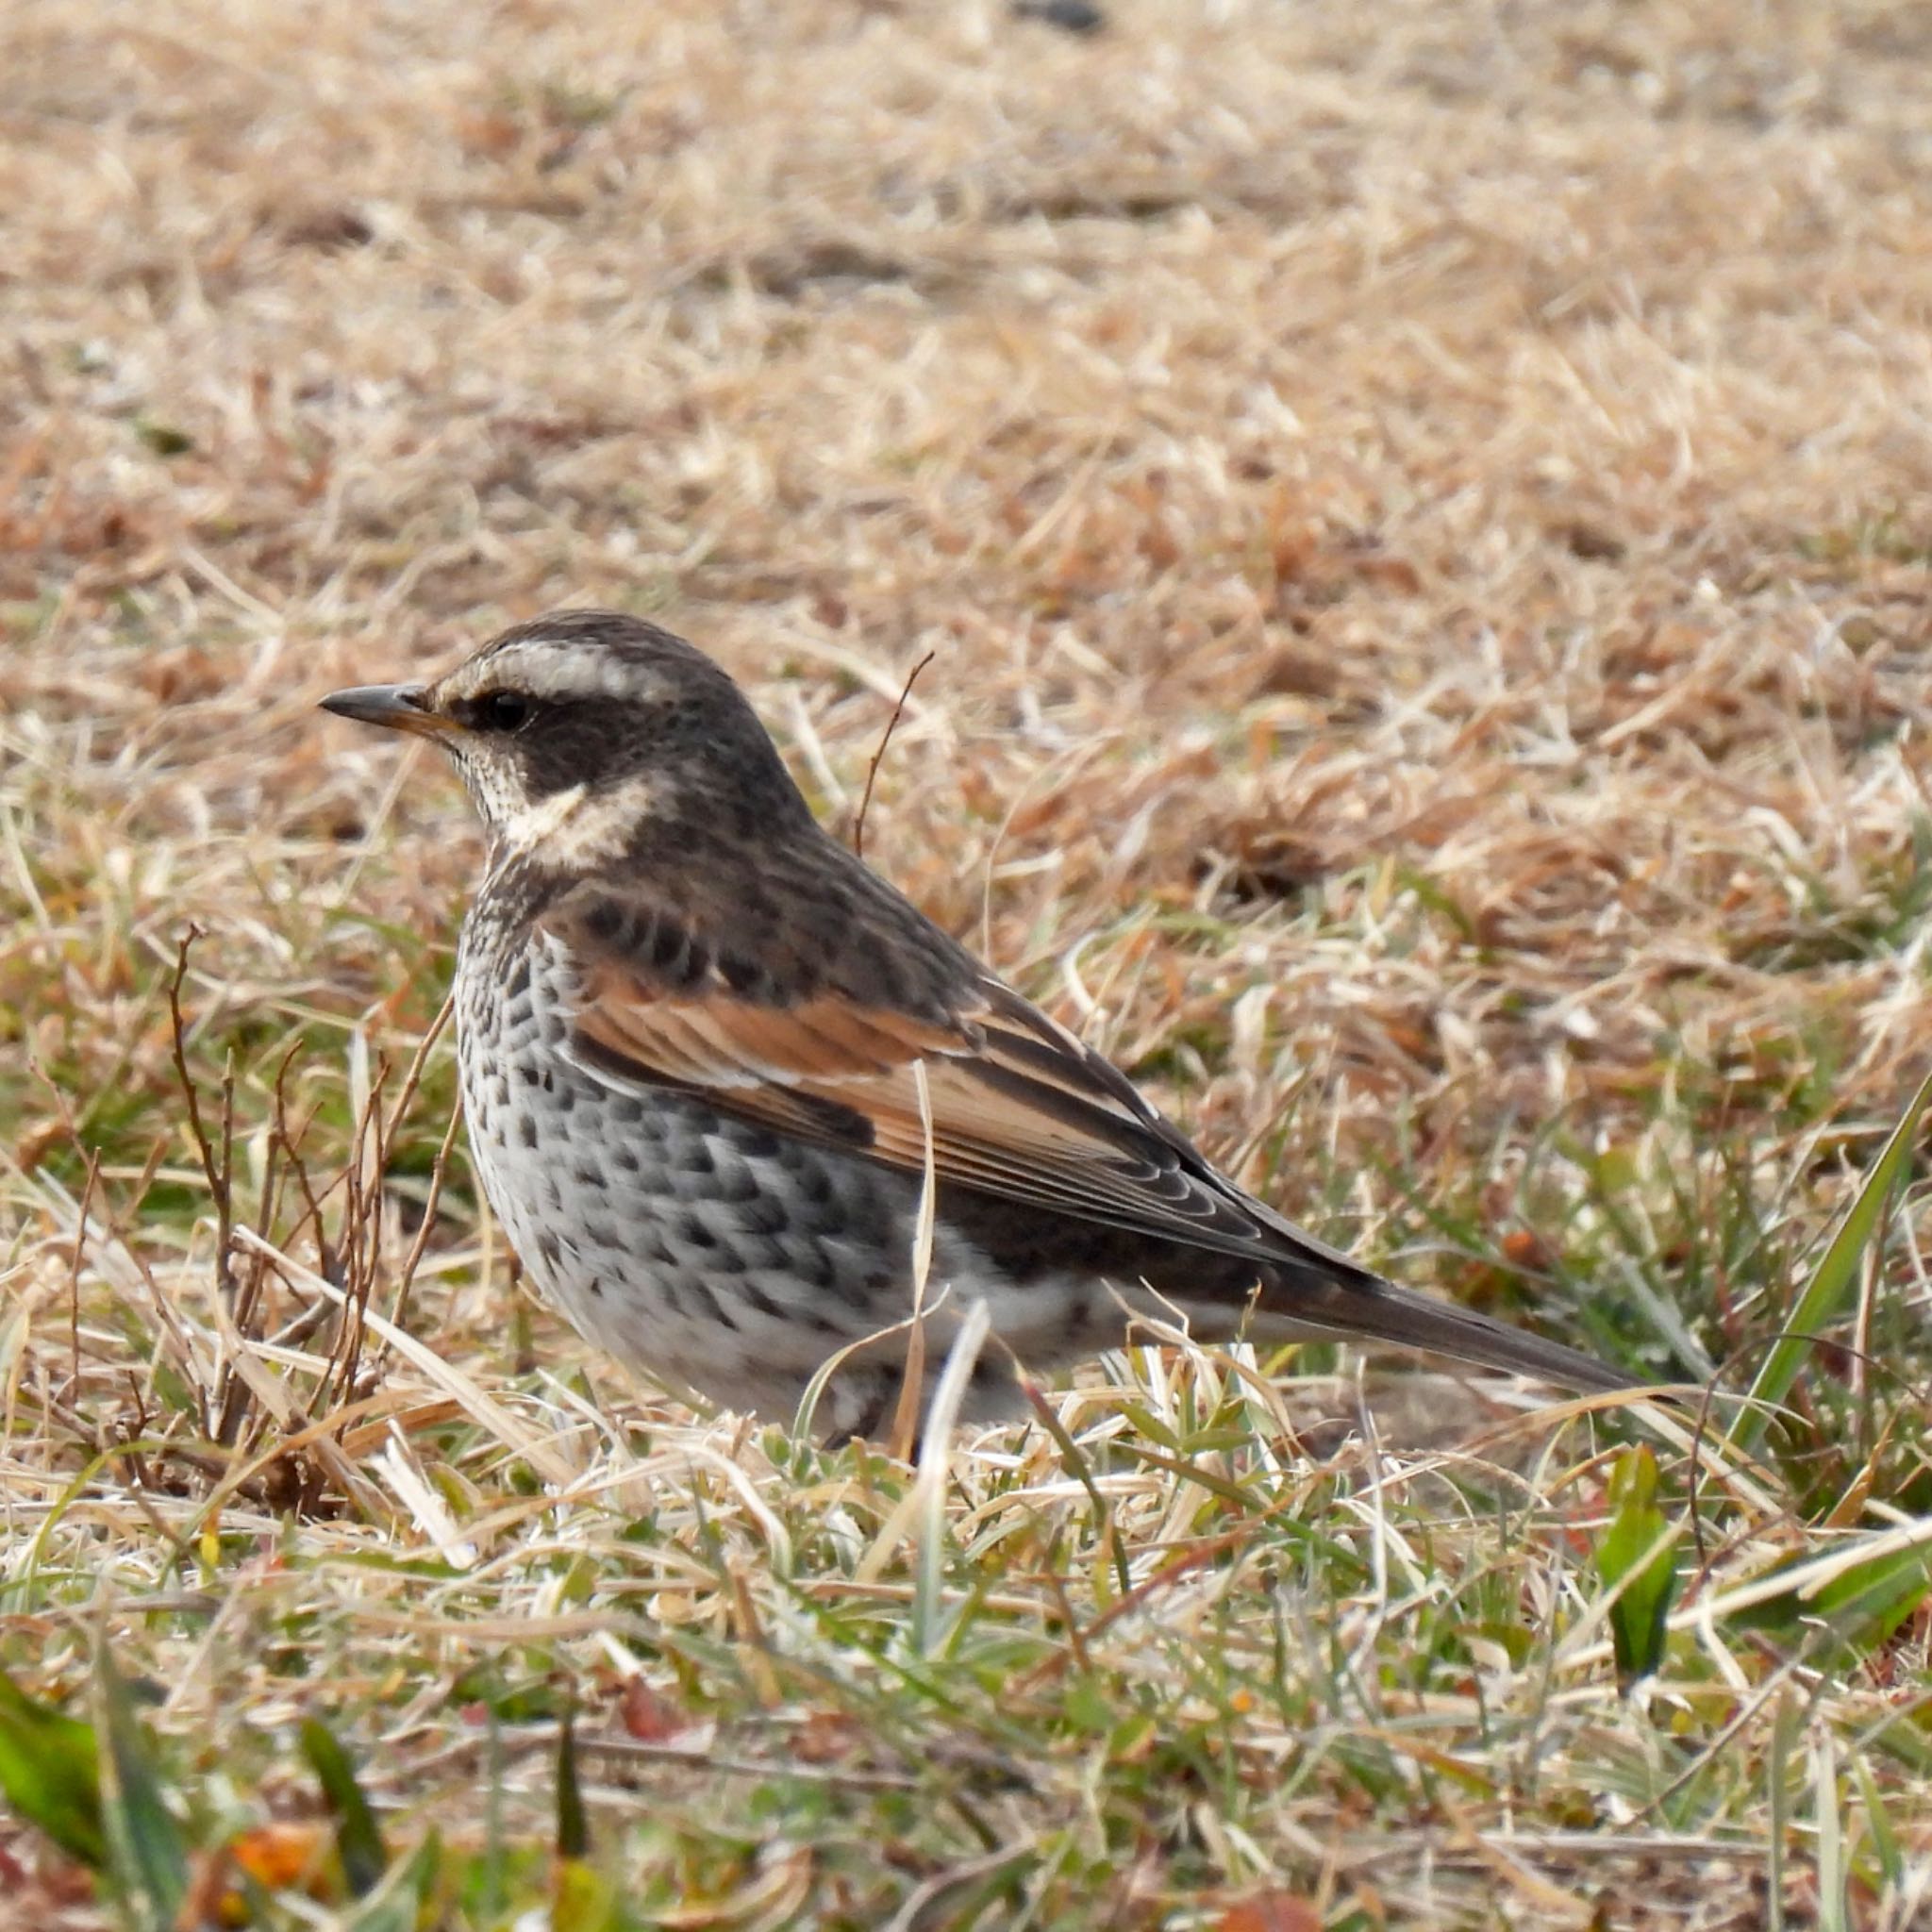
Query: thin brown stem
885	739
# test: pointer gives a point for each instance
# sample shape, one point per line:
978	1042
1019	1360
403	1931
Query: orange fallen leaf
1271	1911
276	1855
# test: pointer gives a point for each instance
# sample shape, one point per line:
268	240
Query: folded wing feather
1019	1106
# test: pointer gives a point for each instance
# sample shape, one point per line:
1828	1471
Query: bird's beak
397	706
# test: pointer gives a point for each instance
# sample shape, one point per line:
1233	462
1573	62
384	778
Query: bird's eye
502	710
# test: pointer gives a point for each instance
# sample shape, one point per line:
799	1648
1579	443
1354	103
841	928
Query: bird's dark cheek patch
547	769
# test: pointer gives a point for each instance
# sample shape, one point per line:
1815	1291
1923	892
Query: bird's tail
1320	1301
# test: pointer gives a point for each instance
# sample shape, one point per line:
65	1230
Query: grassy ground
1419	516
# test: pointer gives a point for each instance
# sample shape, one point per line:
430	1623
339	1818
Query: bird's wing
1017	1107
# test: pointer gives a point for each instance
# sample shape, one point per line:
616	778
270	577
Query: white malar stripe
579	828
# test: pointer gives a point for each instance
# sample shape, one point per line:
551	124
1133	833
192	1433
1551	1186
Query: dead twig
885	739
215	1171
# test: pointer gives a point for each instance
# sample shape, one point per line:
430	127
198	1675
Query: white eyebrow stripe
551	669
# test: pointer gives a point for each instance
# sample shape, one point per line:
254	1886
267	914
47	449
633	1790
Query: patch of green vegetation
163	439
1883	917
1888	535
1187	1056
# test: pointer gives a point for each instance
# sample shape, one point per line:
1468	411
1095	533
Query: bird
707	1055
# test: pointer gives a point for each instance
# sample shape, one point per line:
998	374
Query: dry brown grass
1421	514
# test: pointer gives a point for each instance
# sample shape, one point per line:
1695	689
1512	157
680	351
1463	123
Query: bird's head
581	734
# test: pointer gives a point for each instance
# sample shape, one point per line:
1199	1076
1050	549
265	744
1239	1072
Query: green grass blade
1878	1825
1829	1830
1868	1602
573	1829
358	1838
50	1772
1787	1722
1831	1284
581	1898
145	1846
1632	1556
